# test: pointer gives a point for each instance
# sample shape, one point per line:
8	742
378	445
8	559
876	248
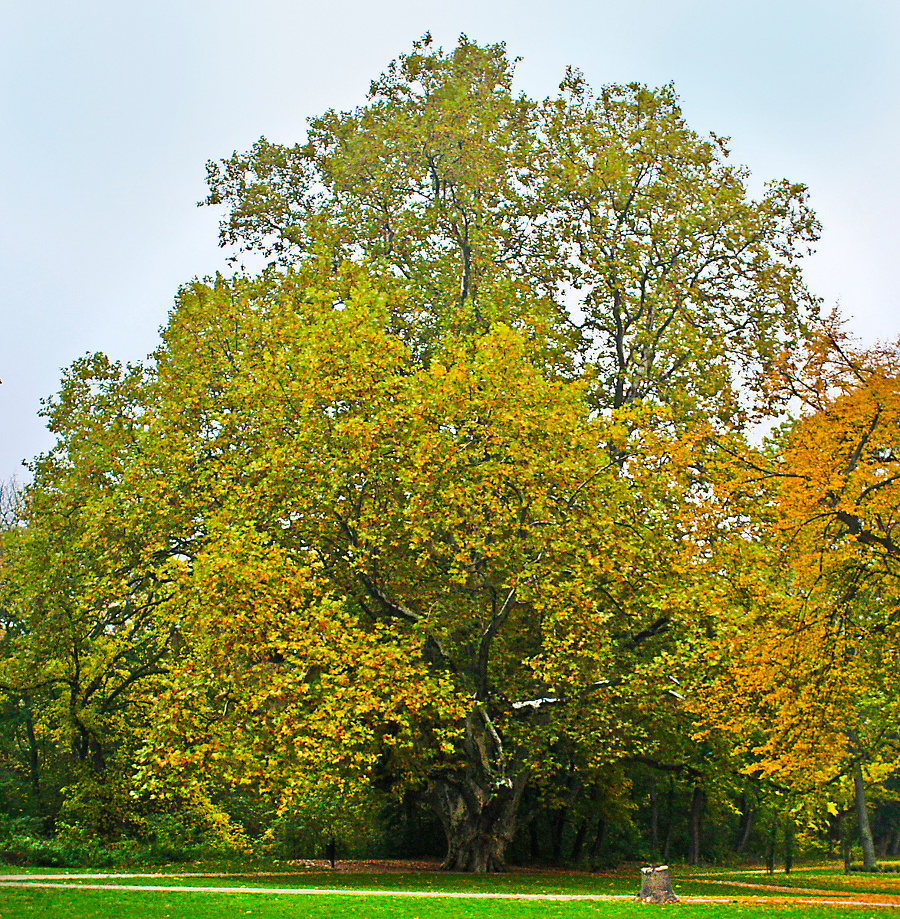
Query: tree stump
656	886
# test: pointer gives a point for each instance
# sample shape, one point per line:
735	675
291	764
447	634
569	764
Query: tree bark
34	762
870	863
654	820
697	803
534	840
578	841
656	885
479	823
598	843
558	825
478	806
670	819
788	845
745	828
845	845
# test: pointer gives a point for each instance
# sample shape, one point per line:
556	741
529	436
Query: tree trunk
845	844
558	825
745	828
534	840
670	819
656	885
578	842
654	820
478	806
788	845
870	863
598	843
34	762
479	823
697	803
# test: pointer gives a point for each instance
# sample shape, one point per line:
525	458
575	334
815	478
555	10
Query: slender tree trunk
745	827
696	818
534	843
770	848
578	841
654	819
670	819
833	833
788	845
558	825
598	843
34	761
534	840
845	844
870	863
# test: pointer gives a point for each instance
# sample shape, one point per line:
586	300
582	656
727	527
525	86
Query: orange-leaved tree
814	676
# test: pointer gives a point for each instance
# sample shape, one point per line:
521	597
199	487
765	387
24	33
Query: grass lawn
97	904
855	884
68	903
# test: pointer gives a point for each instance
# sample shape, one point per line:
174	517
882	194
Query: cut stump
656	886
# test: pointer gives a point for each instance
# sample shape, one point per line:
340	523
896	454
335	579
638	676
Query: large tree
604	229
431	502
463	573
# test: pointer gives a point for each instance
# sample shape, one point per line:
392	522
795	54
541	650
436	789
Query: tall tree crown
601	222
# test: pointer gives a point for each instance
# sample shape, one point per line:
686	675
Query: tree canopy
604	221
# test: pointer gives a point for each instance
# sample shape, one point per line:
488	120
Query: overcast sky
109	111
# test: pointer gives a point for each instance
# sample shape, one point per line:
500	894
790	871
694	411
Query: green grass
96	904
818	879
549	883
622	883
62	903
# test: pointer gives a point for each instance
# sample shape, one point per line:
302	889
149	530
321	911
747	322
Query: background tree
82	646
823	675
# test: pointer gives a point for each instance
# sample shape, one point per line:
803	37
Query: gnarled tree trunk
479	823
478	806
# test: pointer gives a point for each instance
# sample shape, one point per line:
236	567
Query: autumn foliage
456	505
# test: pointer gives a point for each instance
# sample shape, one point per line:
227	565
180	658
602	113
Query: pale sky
109	111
